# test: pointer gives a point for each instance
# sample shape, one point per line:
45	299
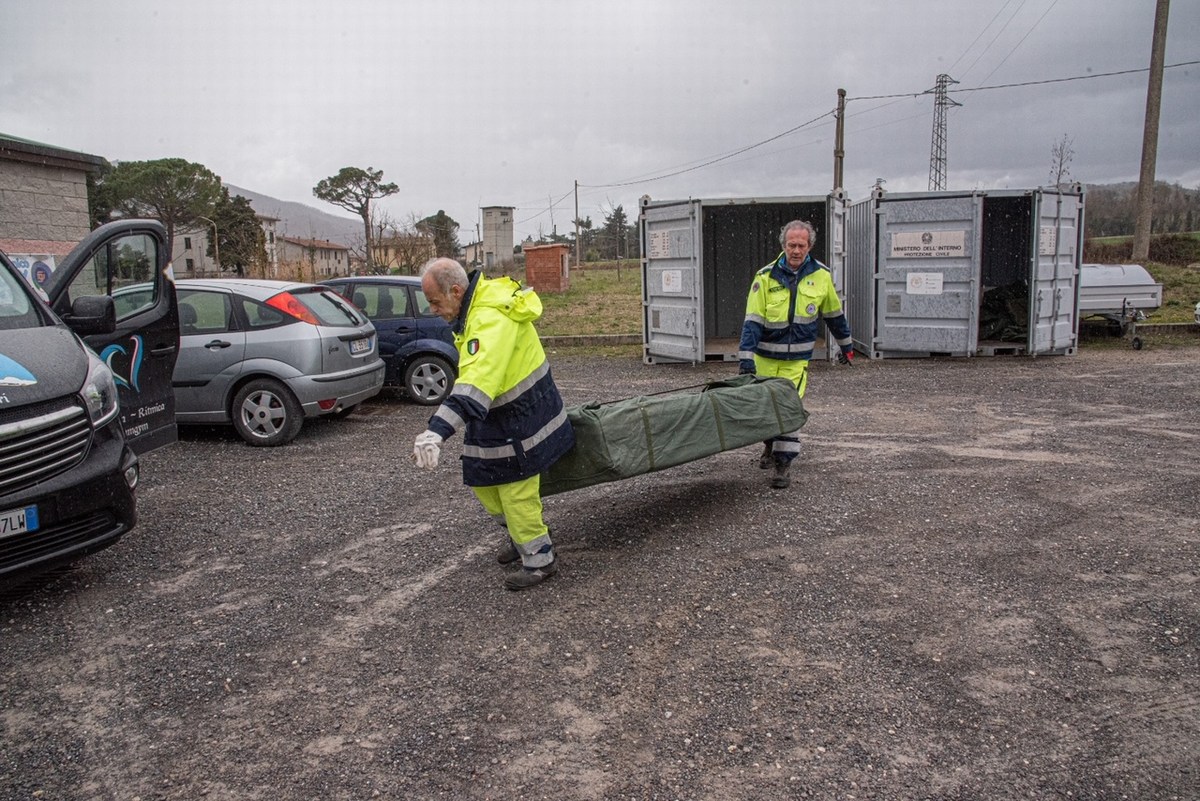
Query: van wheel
428	380
265	414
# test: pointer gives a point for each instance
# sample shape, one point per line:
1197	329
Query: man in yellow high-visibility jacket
788	299
506	400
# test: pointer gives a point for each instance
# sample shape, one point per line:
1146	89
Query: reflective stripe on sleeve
474	393
527	444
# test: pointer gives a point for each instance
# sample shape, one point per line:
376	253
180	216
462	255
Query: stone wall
42	202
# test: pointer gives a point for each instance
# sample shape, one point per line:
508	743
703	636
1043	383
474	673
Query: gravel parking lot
984	586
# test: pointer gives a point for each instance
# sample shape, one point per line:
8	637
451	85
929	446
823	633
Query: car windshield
329	307
17	308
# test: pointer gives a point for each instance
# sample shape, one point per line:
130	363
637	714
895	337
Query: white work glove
426	449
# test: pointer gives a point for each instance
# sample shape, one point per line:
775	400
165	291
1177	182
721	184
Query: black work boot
507	553
781	479
766	460
528	577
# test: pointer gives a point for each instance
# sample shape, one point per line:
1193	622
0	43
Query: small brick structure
547	267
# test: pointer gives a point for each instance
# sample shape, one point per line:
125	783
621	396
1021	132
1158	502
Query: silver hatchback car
264	355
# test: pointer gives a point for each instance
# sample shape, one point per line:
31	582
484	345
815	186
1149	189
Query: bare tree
383	227
404	246
1061	155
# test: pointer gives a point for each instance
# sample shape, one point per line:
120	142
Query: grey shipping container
698	258
965	273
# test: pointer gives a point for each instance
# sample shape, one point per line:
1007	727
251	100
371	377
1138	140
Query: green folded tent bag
630	437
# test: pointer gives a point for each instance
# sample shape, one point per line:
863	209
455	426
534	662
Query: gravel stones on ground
981	584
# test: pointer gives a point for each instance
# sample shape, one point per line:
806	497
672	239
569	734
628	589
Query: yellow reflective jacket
504	398
784	309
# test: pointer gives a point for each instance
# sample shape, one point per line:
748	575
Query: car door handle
218	343
165	350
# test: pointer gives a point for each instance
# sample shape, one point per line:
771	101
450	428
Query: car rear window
423	307
329	307
382	302
205	312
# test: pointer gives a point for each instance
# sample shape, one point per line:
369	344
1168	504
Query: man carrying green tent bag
507	402
788	299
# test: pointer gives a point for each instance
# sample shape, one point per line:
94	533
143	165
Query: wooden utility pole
839	141
1145	193
578	258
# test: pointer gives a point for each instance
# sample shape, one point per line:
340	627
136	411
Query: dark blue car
415	344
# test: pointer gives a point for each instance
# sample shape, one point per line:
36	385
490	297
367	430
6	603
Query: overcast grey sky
466	103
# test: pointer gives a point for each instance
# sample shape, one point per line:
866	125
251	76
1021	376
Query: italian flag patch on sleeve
473	347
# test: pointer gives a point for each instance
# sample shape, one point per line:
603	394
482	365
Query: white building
497	235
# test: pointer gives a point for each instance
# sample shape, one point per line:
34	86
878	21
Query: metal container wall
966	273
698	259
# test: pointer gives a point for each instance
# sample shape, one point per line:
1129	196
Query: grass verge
599	301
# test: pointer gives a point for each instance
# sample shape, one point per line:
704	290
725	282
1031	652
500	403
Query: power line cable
999	33
978	37
709	163
1025	83
1075	78
1023	38
545	210
895	97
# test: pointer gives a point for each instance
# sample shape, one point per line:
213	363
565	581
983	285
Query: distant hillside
1111	209
304	222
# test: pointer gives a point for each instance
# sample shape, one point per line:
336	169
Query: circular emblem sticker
811	309
754	287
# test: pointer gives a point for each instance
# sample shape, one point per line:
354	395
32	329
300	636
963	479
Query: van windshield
17	307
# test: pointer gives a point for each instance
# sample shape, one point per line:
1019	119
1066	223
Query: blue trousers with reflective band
786	447
518	506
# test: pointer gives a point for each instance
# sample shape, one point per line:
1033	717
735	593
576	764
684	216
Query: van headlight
99	392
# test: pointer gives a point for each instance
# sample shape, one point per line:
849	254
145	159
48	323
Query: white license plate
358	346
18	521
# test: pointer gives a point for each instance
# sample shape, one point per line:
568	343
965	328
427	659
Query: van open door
130	262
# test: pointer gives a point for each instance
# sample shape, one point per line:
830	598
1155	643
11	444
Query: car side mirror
93	314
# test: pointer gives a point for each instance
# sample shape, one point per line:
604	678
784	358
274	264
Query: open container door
861	249
1054	282
927	278
672	326
837	213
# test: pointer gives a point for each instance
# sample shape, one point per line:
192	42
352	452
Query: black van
83	388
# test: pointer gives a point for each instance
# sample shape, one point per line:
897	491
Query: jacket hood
509	298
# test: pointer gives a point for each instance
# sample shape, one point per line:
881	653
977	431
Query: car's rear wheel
428	380
265	413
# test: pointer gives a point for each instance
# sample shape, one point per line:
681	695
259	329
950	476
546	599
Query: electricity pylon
937	152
